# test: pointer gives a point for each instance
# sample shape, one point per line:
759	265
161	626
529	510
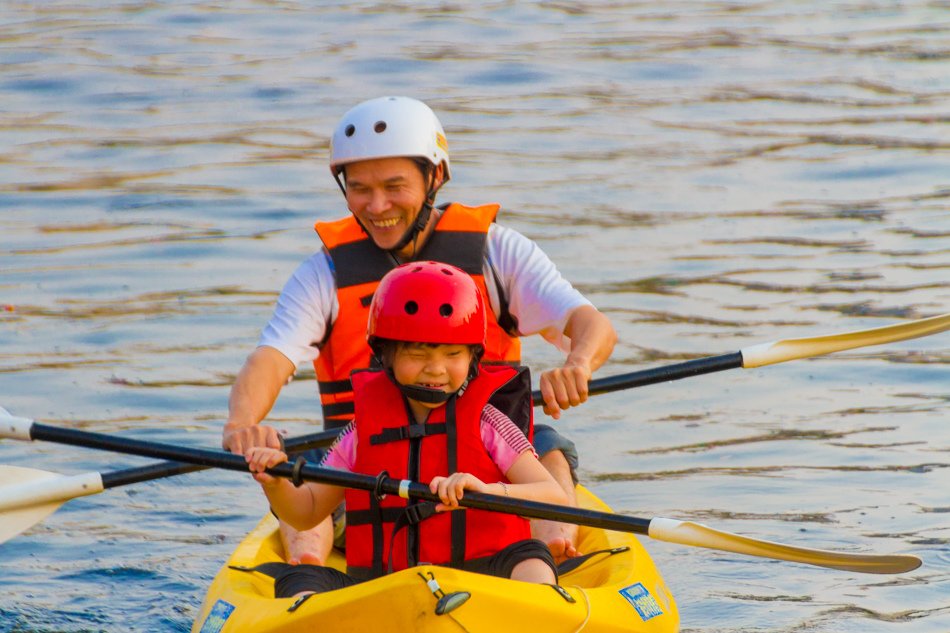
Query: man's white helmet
388	127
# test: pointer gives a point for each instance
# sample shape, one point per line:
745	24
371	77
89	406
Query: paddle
753	356
670	530
771	353
31	495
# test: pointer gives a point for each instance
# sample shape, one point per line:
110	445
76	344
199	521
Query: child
428	415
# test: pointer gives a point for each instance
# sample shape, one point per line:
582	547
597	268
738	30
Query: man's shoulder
503	238
312	275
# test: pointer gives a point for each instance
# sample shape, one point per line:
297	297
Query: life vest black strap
337	409
359	262
377	526
506	320
411	516
462	249
457	518
414	514
333	387
408	432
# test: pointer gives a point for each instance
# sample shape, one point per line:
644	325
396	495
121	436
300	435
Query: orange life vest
460	238
448	441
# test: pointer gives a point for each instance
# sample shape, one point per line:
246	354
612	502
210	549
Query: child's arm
529	481
302	507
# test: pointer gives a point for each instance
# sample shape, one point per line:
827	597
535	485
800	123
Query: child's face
442	367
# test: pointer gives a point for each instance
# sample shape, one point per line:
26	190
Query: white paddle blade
697	535
28	495
14	522
795	348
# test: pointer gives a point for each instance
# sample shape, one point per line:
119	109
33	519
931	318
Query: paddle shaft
771	353
382	484
656	375
171	468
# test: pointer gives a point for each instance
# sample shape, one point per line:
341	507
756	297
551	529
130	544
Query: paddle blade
15	522
795	348
28	495
697	535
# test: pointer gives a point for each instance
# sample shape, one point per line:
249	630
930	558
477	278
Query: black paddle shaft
172	468
381	485
655	375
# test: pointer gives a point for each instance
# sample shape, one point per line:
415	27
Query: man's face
385	195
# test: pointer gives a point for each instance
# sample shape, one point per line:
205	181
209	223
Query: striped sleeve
342	454
502	438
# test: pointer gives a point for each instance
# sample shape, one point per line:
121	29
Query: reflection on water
711	174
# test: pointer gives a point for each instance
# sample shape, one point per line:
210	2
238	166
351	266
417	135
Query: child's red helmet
427	302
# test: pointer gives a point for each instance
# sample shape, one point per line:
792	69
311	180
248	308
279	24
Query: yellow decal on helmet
441	142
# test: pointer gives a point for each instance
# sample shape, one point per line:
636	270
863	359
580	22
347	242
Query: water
712	174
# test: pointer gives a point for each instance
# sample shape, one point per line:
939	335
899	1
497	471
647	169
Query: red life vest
386	440
460	238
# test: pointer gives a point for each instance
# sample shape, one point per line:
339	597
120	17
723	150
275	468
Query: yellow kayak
619	589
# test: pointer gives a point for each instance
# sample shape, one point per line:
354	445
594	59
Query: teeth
385	224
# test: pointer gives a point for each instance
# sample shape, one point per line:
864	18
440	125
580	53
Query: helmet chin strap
422	219
427	394
424	394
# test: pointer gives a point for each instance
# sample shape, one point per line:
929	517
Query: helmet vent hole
412	307
350	129
445	310
380	127
446	271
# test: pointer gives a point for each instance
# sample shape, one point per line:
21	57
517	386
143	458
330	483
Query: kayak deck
618	590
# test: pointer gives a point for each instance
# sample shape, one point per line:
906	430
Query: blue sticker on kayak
216	619
645	604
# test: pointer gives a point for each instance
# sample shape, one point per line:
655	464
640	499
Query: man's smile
385	223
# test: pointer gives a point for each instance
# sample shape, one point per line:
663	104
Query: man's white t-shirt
539	298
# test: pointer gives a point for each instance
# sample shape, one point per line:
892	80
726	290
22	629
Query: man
389	156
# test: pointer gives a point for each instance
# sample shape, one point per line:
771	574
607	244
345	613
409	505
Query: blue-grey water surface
711	174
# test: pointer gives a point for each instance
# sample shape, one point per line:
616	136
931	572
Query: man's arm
592	340
300	317
254	393
542	300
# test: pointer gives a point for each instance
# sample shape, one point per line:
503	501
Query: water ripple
765	471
